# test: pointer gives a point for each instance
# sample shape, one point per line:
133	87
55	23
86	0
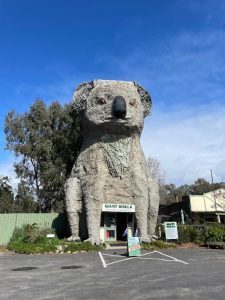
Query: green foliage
186	233
22	202
31	248
46	140
51	245
158	244
85	246
32	239
31	234
215	234
6	196
212	232
189	234
24	199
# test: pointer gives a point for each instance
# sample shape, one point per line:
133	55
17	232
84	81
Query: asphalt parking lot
168	274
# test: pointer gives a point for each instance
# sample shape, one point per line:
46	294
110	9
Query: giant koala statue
111	167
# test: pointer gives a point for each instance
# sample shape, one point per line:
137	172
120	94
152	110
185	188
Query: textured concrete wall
111	167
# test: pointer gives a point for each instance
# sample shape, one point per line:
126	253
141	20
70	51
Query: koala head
115	106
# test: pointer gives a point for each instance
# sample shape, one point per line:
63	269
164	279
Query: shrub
52	246
189	234
31	248
18	235
31	233
215	234
30	239
186	233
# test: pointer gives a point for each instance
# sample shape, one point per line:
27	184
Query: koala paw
145	240
93	240
154	238
73	238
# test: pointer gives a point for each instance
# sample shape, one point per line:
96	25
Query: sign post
133	246
171	230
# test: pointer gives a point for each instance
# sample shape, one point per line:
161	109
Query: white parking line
115	262
183	262
172	259
113	255
102	259
157	259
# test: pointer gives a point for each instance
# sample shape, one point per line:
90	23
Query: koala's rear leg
93	215
153	189
73	199
141	211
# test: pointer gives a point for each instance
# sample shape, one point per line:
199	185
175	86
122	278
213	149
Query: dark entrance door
121	220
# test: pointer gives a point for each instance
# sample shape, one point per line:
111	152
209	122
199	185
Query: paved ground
196	274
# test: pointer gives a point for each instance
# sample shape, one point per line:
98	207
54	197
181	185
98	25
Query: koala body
111	166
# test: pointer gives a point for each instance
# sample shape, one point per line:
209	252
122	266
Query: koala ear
80	96
145	99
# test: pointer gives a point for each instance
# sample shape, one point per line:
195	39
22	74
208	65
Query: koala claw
145	240
93	241
73	239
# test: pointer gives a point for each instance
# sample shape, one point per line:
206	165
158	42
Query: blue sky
175	49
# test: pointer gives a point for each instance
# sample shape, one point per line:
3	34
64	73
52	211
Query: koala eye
101	101
132	102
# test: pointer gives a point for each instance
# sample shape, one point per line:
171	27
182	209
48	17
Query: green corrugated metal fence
8	222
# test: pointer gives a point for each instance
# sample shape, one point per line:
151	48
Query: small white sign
118	207
50	235
171	230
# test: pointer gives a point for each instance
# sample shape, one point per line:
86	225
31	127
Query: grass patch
158	244
85	246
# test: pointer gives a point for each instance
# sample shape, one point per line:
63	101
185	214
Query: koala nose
119	107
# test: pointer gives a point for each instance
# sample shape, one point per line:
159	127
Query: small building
209	207
196	209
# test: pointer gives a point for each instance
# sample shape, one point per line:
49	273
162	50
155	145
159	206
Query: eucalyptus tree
6	195
45	140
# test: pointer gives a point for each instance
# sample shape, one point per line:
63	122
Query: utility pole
214	197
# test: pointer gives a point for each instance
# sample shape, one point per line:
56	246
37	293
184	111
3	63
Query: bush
31	234
52	245
215	234
31	248
186	233
30	239
189	234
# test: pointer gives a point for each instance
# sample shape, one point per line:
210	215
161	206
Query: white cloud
185	76
189	144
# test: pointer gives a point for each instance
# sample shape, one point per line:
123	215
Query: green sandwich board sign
133	246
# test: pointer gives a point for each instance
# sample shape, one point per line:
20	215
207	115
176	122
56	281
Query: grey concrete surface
202	278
